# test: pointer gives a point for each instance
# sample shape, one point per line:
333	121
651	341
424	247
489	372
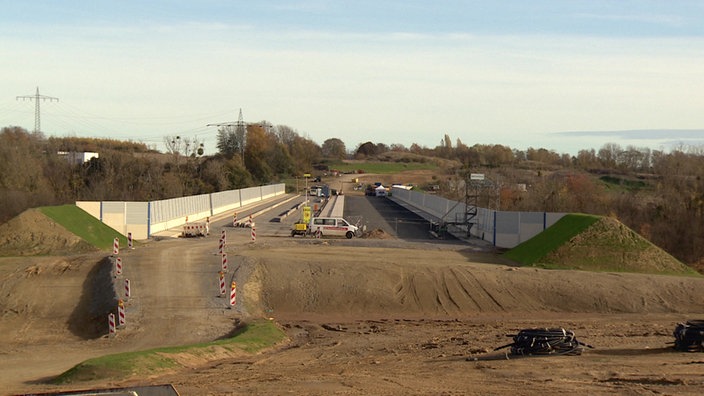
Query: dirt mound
609	245
376	234
34	234
339	280
49	299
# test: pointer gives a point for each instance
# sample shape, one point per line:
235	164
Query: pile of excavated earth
610	245
34	234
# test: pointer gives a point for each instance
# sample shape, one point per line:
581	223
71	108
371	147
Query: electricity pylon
37	98
240	130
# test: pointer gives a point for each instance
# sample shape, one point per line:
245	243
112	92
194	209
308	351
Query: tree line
659	194
36	170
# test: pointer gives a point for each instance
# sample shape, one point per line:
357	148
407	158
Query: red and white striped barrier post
223	236
118	266
116	247
120	313
234	220
222	246
251	221
222	283
128	292
254	234
111	325
224	262
233	294
318	233
129	241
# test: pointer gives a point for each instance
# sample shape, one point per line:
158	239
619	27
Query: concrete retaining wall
143	219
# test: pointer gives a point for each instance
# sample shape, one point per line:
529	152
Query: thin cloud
640	134
317	6
657	19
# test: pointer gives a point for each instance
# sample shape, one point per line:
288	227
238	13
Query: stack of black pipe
689	337
554	341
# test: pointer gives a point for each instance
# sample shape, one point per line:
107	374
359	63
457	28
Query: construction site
394	310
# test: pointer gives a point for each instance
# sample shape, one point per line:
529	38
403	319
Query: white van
315	191
332	226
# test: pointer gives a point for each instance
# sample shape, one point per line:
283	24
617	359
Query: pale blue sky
562	75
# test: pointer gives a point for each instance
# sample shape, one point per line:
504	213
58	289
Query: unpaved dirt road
363	316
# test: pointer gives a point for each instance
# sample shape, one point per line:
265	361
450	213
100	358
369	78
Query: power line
37	98
74	119
239	123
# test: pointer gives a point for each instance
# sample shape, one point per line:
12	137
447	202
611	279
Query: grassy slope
532	250
593	243
84	225
251	338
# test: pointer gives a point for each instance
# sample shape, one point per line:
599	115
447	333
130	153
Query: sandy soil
362	316
33	234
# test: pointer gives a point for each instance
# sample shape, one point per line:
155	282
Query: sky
564	75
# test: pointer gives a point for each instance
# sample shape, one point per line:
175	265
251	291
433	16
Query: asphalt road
266	217
369	212
385	214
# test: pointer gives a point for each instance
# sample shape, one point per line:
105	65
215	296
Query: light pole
306	175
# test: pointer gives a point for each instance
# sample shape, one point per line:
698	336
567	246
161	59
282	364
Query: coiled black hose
555	341
689	337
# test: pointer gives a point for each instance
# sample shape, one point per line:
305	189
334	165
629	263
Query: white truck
332	226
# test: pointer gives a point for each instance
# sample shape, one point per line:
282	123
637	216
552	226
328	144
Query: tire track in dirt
496	306
465	294
449	291
446	290
175	294
406	292
425	292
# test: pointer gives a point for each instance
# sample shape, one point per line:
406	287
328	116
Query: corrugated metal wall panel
225	199
509	228
136	213
250	195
